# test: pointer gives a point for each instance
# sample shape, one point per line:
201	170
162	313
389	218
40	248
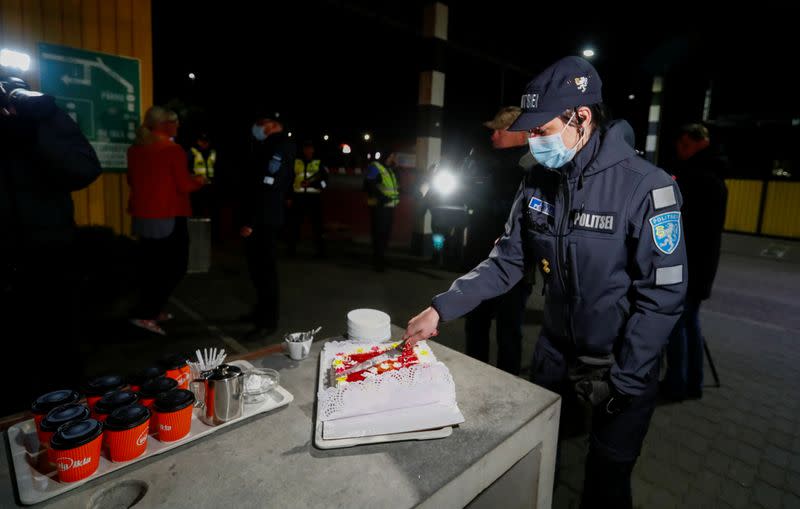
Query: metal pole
711	363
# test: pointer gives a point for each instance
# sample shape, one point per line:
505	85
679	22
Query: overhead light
16	59
369	156
367	137
290	134
346	148
631	97
588	53
377	155
192	76
326	137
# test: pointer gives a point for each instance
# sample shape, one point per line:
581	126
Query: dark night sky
347	67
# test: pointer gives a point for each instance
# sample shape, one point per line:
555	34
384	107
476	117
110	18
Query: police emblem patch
542	206
666	231
582	83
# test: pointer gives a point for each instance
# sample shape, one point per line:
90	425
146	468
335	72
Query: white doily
421	384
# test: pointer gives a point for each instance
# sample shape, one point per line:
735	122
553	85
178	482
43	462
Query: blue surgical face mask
258	132
550	151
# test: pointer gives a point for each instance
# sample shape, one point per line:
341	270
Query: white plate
368	318
35	486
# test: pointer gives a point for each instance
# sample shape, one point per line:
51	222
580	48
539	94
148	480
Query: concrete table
503	455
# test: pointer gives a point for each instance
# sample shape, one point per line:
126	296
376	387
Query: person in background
502	175
383	196
267	180
310	181
44	157
202	160
699	171
159	204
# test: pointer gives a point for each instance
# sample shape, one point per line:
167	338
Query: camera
9	88
15	93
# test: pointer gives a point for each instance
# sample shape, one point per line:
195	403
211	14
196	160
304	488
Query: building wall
763	207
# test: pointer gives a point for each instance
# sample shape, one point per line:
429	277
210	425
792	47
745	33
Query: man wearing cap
268	179
604	228
494	186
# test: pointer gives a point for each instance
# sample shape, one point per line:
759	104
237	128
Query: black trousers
615	442
163	264
382	218
509	311
260	250
304	204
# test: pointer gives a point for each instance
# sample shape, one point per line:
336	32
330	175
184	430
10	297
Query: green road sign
101	92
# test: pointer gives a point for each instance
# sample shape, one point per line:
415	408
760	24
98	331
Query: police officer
383	196
268	179
603	226
310	179
495	185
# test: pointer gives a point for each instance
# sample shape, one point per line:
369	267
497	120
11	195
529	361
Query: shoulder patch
666	231
664	197
669	275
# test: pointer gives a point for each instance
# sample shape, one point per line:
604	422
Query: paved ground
740	445
737	447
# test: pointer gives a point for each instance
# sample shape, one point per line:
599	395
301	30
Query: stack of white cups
368	325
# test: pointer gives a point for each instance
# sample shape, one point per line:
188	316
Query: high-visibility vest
303	171
387	187
203	166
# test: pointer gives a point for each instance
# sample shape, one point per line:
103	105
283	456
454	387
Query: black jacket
268	177
705	199
43	158
605	233
493	186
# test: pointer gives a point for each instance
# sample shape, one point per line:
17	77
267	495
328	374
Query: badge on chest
541	206
594	221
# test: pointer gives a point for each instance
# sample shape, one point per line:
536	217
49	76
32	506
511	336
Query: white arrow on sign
87	65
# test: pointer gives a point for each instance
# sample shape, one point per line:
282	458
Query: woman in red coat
160	185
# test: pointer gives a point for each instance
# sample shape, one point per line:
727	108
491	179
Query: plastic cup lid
158	385
146	374
114	400
100	385
127	417
64	414
76	434
176	361
49	401
173	401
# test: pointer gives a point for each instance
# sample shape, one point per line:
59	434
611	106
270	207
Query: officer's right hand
245	231
422	326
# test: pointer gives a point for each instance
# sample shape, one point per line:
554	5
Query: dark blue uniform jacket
605	234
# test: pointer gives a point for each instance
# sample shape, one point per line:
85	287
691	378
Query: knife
387	355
